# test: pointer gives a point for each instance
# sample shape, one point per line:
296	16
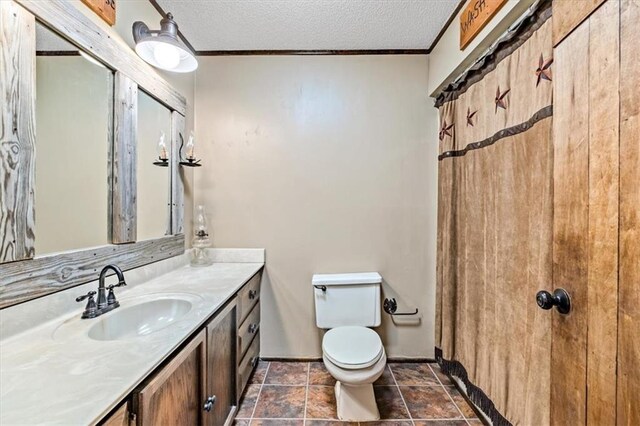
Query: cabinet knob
209	403
253	328
252	294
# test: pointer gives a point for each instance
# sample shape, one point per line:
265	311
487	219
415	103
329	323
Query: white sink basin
139	320
136	317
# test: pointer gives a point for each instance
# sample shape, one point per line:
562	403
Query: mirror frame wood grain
23	276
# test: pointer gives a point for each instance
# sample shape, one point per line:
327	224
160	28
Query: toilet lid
352	347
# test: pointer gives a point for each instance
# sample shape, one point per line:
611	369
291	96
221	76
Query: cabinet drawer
248	296
247	365
248	330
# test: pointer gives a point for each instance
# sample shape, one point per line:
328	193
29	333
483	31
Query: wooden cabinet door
120	417
221	358
175	395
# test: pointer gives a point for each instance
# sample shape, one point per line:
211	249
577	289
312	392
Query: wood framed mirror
36	260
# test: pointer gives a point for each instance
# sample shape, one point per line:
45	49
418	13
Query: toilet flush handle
321	287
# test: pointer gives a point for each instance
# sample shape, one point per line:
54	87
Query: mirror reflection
74	95
154	141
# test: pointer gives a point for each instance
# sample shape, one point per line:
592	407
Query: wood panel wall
597	139
628	379
569	14
602	281
570	227
17	132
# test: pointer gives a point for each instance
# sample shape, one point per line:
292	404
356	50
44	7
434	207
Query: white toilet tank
347	299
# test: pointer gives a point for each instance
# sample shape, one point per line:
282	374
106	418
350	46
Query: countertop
71	379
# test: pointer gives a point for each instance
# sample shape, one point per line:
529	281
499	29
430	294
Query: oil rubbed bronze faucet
105	302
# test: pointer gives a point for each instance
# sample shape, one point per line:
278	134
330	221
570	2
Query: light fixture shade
163	49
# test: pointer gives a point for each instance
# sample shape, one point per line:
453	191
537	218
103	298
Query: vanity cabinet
203	381
175	394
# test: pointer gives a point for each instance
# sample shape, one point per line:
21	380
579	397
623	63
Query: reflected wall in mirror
153	204
74	95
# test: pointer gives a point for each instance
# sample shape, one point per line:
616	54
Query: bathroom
358	212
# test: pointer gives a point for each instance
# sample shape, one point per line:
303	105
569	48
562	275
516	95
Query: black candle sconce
190	160
161	162
163	156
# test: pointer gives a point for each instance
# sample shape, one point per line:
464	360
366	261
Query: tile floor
301	393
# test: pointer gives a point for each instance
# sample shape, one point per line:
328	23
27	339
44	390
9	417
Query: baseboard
314	359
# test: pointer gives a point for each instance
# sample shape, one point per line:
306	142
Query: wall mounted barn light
162	48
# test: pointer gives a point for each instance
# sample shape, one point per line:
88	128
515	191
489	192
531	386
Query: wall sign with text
475	16
106	9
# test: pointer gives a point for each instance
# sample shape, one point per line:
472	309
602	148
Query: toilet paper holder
390	306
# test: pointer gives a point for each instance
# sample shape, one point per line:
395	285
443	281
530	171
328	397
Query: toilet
347	305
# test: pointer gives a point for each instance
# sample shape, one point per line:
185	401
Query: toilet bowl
355	357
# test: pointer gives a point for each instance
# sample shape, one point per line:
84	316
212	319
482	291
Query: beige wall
447	61
330	164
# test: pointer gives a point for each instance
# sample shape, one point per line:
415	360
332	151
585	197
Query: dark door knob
208	404
560	299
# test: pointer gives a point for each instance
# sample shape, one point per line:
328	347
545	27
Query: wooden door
221	360
595	355
175	395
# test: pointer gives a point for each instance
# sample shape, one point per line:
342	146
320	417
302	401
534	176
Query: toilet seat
352	347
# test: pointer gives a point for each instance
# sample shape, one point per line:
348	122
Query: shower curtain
495	225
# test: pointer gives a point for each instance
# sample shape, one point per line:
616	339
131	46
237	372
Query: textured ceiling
309	24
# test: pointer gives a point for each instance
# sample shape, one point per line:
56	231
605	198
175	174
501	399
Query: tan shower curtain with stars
495	225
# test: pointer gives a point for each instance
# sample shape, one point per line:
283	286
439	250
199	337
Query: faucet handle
111	297
120	284
86	296
91	310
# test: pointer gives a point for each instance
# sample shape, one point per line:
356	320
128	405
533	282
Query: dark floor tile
390	403
388	423
280	402
321	403
414	374
318	375
330	423
438	372
248	401
440	423
429	402
241	422
287	373
386	378
462	403
276	422
258	374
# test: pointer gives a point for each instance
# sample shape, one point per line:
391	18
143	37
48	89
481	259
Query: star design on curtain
500	102
543	72
470	117
445	130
